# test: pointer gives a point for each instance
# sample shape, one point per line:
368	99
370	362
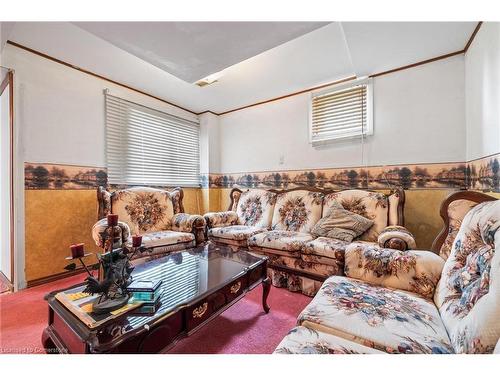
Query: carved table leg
266	287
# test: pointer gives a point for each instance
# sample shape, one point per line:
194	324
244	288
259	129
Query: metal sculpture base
108	305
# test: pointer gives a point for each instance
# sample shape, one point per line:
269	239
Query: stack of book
147	292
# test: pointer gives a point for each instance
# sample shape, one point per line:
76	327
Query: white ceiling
194	50
326	54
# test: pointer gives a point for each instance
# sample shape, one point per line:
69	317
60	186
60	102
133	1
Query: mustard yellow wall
55	219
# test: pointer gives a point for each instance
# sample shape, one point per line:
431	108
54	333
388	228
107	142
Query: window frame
368	82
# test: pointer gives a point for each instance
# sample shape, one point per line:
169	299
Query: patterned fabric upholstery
164	238
234	232
456	212
221	219
285	241
297	211
255	208
101	234
303	340
325	250
145	210
468	294
396	231
415	271
182	222
385	319
372	205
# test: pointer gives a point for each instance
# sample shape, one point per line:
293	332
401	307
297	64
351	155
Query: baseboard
58	276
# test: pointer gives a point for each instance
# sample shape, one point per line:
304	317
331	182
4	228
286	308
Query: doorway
6	180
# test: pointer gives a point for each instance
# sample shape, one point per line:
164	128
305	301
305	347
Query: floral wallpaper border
48	176
481	174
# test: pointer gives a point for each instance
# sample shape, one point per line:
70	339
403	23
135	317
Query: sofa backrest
370	204
144	209
255	208
297	210
468	293
453	210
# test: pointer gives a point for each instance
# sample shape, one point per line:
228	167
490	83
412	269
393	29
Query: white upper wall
418	117
337	50
60	111
482	91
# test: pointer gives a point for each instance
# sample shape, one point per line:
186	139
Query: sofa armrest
221	219
417	271
396	237
195	224
101	234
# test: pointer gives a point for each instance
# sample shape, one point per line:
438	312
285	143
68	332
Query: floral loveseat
415	301
158	215
278	224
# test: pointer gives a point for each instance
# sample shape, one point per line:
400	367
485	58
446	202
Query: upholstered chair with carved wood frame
155	214
298	260
420	302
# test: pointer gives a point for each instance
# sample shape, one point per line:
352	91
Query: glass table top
186	276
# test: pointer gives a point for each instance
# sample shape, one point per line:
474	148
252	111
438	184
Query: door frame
8	82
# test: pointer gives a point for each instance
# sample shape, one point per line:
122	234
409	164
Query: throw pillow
341	224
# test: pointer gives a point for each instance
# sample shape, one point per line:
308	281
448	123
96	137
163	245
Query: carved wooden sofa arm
195	224
396	237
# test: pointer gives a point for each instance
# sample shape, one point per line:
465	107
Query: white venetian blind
339	113
148	147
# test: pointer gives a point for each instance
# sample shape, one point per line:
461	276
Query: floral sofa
278	224
158	215
391	301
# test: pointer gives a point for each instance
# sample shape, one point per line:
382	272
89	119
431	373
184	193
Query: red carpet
243	328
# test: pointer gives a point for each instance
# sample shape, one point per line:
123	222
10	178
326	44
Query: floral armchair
416	301
158	215
278	223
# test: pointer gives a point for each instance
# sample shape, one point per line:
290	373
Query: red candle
77	250
112	220
136	241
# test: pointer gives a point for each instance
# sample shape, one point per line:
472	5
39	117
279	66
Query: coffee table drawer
201	311
236	288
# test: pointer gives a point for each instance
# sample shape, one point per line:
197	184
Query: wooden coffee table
198	285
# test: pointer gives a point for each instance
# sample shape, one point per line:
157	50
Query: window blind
340	113
148	147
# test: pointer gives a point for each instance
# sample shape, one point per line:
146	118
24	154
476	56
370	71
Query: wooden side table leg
266	287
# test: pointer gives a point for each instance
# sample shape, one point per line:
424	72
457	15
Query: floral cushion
382	318
325	250
286	241
372	205
234	232
165	238
456	212
255	208
303	340
341	224
145	210
468	294
297	211
415	271
220	219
